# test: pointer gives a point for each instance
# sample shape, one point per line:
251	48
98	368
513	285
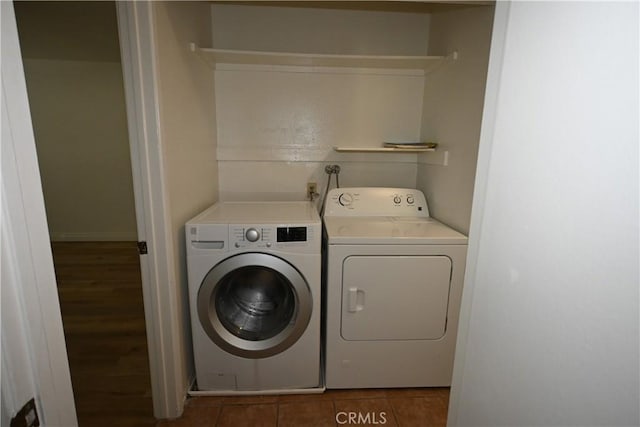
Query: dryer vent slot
208	244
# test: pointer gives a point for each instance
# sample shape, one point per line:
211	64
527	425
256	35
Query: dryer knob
252	235
345	199
397	200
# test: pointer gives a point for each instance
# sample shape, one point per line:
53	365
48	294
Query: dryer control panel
376	201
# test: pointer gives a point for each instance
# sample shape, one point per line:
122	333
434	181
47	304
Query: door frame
33	278
138	52
489	114
34	356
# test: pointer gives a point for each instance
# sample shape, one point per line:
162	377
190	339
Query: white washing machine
393	286
254	292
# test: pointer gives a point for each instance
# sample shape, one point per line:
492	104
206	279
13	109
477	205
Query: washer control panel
375	201
269	235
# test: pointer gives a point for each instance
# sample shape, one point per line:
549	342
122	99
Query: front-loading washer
393	287
254	294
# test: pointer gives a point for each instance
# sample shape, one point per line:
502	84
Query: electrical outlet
312	190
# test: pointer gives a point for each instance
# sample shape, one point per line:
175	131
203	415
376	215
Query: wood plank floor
102	312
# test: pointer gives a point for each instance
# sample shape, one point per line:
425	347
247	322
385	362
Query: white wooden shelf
381	150
228	56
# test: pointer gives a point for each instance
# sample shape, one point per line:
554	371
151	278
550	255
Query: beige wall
187	122
316	30
74	79
454	95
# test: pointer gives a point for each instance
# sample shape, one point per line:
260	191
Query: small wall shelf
381	150
228	56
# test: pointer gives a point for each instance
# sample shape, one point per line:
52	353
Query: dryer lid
390	231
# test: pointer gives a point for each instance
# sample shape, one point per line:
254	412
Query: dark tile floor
413	407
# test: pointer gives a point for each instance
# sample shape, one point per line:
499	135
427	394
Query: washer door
254	305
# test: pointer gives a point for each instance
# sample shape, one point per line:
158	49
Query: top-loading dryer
254	294
393	287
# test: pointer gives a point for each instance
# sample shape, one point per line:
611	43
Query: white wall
5	417
276	129
277	125
453	100
74	77
549	330
187	123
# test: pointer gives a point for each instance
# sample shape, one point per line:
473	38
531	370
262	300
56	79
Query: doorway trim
137	46
496	56
33	352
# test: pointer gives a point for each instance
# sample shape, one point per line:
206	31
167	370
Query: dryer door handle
356	300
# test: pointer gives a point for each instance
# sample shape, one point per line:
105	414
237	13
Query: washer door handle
356	300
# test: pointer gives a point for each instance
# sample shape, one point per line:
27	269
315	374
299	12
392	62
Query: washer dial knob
252	235
397	200
345	199
410	199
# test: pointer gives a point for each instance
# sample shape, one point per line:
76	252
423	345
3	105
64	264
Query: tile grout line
335	421
219	413
393	411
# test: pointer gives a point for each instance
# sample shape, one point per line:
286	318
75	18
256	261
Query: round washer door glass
255	302
254	305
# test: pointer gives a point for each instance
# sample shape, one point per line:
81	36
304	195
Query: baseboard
118	236
314	390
